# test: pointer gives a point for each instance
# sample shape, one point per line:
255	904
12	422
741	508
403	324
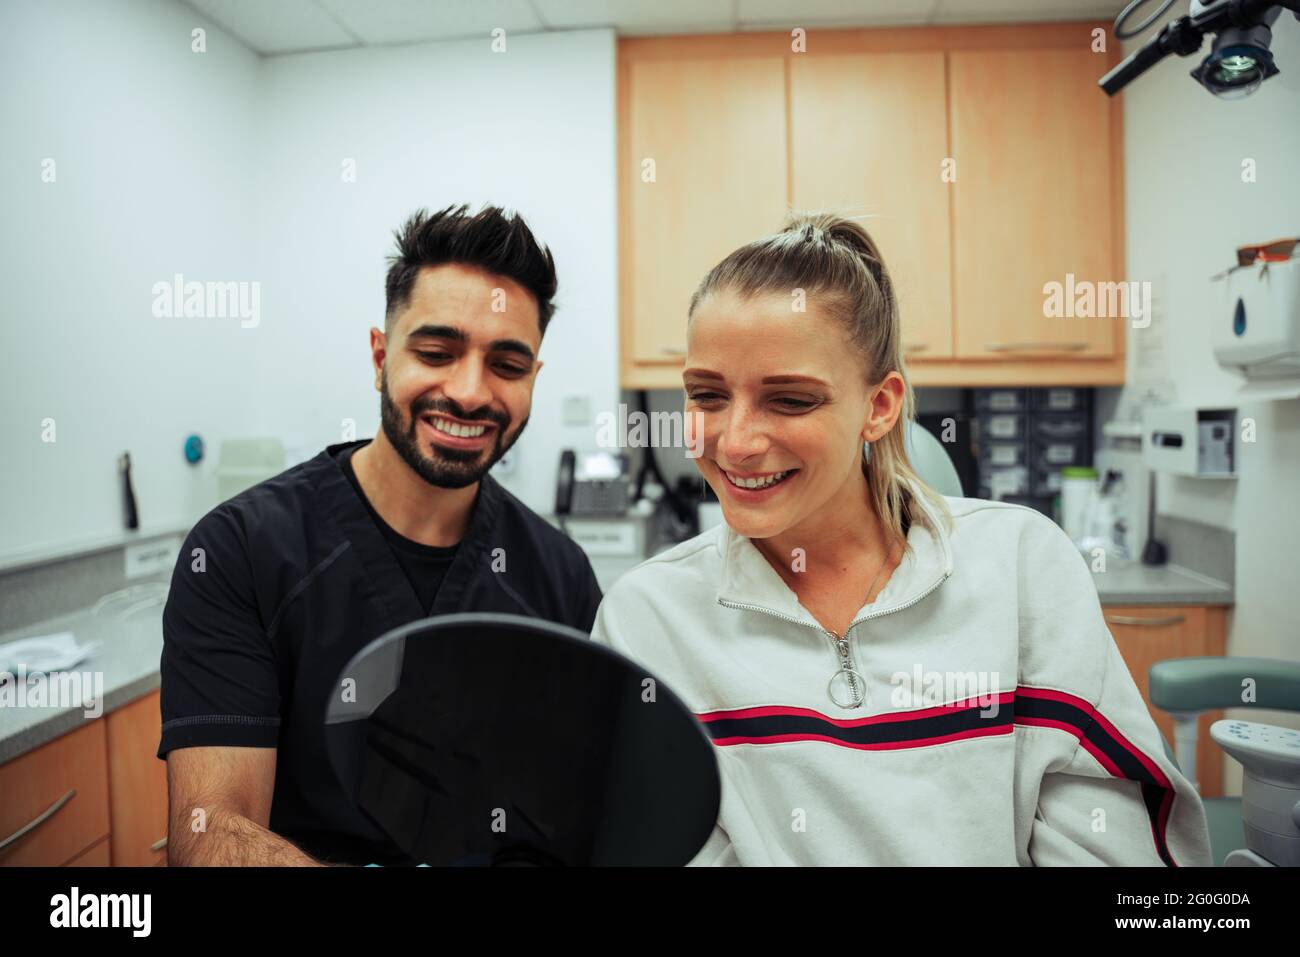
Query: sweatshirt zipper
840	645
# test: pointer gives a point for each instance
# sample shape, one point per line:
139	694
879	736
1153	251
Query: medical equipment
1239	60
1270	791
1266	819
930	460
1191	441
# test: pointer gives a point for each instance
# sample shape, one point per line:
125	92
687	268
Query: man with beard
275	590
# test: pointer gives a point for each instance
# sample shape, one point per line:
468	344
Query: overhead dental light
1239	60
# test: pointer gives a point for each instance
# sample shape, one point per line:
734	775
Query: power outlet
150	558
577	410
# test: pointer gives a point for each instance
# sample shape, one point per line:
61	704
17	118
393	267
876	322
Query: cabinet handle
672	351
1145	622
40	819
915	346
1035	346
159	844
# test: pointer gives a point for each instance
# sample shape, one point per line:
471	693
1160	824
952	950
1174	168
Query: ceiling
271	27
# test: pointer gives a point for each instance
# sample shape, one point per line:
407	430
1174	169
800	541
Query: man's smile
456	433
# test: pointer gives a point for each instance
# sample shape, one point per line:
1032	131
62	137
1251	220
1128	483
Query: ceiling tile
639	17
410	21
285	26
1025	11
847	13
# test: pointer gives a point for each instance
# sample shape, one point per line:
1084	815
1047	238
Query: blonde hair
835	261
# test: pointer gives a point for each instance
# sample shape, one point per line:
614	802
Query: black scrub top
425	566
276	589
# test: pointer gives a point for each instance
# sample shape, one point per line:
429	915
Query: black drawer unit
1024	437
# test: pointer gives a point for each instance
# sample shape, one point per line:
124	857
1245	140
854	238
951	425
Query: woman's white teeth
455	428
763	482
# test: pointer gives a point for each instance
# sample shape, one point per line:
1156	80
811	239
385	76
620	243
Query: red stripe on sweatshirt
768	711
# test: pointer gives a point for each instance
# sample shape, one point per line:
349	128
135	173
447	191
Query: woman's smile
754	487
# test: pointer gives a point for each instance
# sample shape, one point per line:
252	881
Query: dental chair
1261	828
930	460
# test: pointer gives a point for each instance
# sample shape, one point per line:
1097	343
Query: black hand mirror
481	739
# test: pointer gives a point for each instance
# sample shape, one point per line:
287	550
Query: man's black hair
491	239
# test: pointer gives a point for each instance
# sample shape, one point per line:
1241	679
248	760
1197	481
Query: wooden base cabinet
137	783
1146	634
95	797
55	800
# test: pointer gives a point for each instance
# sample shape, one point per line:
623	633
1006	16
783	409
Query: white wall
226	166
1187	210
428	125
152	147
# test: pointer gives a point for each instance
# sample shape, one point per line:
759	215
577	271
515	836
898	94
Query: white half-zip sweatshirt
1000	725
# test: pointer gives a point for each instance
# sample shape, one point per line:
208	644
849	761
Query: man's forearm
232	840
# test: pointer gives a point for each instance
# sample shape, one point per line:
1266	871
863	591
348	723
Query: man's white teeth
763	482
455	428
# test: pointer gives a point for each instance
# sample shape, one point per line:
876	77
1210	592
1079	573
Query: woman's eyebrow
767	380
789	379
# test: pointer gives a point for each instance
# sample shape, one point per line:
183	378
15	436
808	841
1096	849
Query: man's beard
443	467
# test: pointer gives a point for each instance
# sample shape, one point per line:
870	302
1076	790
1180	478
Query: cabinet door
1032	201
714	130
868	137
1146	634
54	800
100	855
137	784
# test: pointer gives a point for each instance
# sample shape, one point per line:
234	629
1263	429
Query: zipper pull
857	685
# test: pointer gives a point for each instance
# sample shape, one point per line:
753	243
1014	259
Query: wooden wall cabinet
1033	200
984	160
868	137
707	139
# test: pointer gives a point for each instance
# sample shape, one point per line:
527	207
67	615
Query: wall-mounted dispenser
1188	441
1255	331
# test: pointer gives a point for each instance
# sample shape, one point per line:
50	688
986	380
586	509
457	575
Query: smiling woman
807	322
787	628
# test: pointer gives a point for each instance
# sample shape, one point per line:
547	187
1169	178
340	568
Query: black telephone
564	482
593	483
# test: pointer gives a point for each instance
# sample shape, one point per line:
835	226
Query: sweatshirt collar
748	579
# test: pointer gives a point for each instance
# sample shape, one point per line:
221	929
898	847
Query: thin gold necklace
848	668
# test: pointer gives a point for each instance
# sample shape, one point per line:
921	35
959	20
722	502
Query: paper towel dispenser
1255	331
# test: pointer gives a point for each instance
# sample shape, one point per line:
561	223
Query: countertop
1132	583
132	644
128	657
